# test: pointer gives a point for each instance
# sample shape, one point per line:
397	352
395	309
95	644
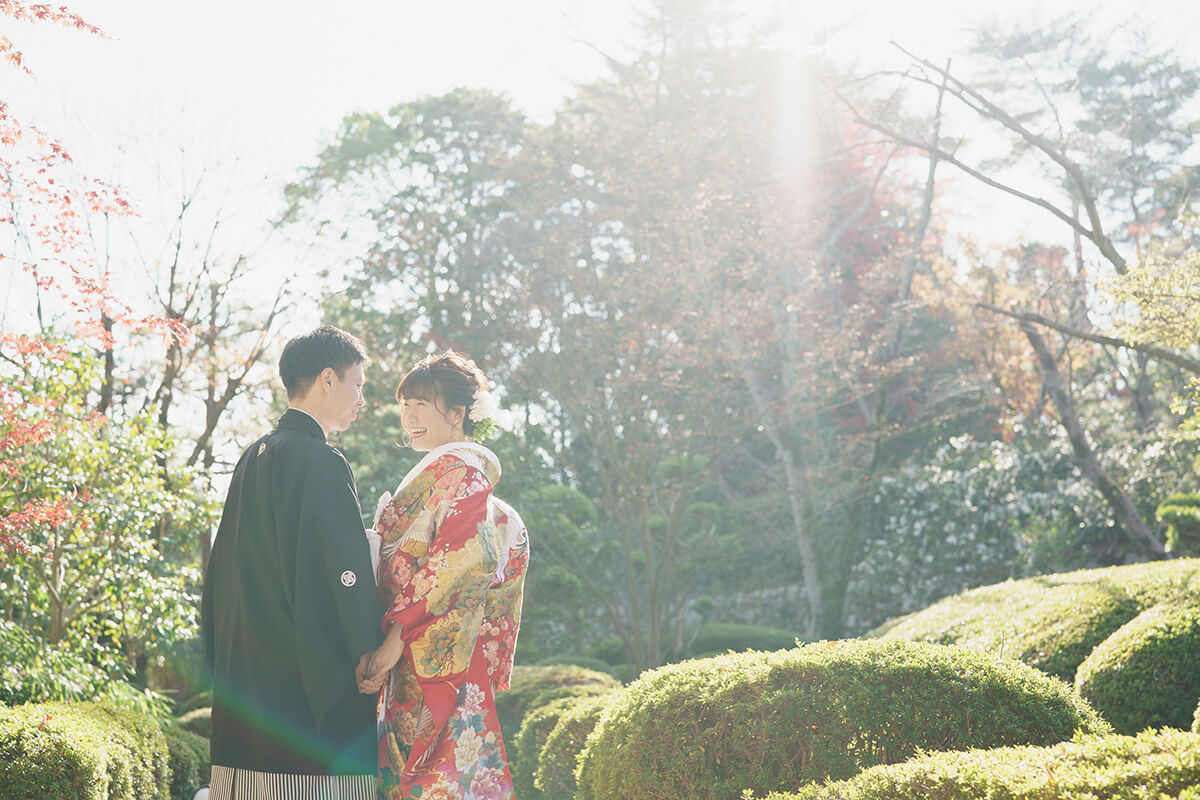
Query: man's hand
368	683
373	667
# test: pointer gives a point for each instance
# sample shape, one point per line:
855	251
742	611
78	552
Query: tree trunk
1118	500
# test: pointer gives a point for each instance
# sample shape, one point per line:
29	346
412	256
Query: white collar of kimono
441	450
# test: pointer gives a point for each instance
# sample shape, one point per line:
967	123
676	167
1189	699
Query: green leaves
114	578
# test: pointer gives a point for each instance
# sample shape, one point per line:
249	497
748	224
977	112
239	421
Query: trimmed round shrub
707	638
1181	512
559	758
530	687
198	721
188	757
81	751
587	662
1146	674
201	699
1052	622
1164	765
767	721
523	755
1047	623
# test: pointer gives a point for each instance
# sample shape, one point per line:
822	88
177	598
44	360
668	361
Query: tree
1115	160
95	565
89	560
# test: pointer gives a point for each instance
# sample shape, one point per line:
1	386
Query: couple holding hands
361	664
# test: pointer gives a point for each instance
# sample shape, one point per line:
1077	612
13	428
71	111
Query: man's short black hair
305	357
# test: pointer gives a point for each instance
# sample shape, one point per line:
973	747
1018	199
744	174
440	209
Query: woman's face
428	425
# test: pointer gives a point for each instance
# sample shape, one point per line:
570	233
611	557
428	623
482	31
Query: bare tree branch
1184	362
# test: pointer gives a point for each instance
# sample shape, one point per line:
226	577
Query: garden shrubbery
705	639
559	757
1146	674
33	671
95	751
198	721
1051	622
81	751
188	754
1181	512
524	753
767	721
531	687
1164	765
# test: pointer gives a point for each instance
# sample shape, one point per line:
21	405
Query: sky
250	90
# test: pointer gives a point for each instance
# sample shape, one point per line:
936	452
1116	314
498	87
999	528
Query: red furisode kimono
451	572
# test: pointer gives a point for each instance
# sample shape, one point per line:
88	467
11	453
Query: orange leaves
36	513
12	55
40	12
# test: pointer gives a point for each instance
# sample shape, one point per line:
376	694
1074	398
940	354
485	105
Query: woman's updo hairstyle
447	379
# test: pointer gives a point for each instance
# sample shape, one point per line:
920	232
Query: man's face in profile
346	397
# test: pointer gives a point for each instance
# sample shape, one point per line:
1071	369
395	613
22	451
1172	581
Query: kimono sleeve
441	607
336	610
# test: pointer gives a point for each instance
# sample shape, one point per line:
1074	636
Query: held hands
373	667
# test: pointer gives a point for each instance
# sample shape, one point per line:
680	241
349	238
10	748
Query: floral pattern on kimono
451	574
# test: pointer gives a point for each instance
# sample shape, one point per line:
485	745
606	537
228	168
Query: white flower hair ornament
483	412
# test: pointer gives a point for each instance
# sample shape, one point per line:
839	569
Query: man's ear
328	377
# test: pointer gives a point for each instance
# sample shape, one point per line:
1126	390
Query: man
289	607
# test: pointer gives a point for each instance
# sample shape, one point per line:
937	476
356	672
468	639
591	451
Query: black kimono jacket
289	606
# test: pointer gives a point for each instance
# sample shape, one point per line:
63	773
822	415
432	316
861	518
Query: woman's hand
373	667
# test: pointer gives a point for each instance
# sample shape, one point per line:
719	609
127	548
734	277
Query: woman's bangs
419	384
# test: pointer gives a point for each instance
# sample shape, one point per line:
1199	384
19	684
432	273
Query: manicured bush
201	699
1181	512
198	721
587	662
708	638
188	754
1146	674
1052	622
1164	765
524	752
559	757
81	751
767	721
534	686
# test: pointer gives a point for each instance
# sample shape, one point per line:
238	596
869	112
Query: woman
451	573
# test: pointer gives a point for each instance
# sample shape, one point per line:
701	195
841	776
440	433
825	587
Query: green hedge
1146	674
1051	622
188	754
705	639
531	687
1159	765
523	755
96	751
558	760
587	662
81	751
198	721
1181	512
768	721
